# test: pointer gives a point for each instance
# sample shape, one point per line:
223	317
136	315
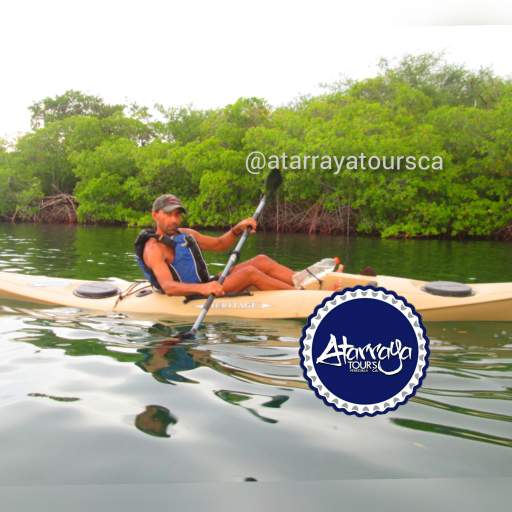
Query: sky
209	53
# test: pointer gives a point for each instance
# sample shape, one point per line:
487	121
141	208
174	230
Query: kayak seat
448	289
96	290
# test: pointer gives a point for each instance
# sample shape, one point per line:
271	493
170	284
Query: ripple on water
109	399
124	398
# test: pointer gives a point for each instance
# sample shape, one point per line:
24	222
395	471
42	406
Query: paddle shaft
227	269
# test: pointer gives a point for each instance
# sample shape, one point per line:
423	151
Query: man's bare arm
223	242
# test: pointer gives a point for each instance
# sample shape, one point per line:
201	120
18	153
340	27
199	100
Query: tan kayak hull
489	302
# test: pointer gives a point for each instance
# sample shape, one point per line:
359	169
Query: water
102	398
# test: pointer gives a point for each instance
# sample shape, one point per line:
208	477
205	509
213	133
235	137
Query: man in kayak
171	258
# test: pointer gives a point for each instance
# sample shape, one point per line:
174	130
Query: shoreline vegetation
85	161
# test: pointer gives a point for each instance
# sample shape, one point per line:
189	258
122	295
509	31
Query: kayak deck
489	301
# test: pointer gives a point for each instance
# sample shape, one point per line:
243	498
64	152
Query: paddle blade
274	180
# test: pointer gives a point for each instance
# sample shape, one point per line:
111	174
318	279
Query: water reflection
237	397
155	421
56	398
121	396
447	430
95	252
251	402
166	360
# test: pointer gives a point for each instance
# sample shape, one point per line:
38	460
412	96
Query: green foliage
107	189
230	124
224	199
71	103
446	84
19	191
116	159
43	155
181	125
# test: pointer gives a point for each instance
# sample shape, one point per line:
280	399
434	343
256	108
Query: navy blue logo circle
364	351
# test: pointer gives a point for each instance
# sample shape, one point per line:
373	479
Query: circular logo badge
364	351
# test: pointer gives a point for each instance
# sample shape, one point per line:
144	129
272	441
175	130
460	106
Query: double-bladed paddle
272	183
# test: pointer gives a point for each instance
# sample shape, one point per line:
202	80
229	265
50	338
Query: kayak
475	302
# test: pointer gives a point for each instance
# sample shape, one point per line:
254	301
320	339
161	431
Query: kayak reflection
65	361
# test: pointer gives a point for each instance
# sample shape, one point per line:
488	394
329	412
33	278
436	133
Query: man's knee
261	260
247	270
251	273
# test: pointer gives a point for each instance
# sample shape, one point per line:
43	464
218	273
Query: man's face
168	222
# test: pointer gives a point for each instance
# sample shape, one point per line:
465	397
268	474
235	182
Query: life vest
188	265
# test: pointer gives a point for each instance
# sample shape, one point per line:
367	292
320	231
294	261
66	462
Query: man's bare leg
241	278
269	267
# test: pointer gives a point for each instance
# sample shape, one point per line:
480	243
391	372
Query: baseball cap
167	203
